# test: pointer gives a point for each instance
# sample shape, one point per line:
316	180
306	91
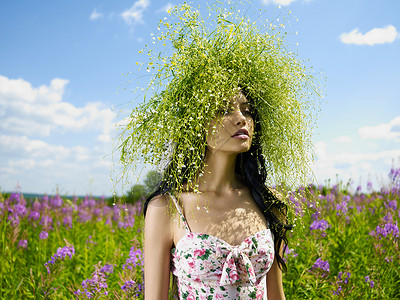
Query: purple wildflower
128	285
386	230
337	292
289	251
23	244
14	220
46	221
321	264
107	269
388	218
34	215
346	280
340	282
394	176
60	255
319	225
14	197
121	224
135	259
358	189
371	282
19	209
43	235
341	208
84	216
392	204
96	284
67	221
36	205
56	201
131	288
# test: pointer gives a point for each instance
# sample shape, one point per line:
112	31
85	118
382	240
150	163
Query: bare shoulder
157	246
159	201
158	212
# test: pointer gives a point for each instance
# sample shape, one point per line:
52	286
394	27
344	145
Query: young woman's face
232	131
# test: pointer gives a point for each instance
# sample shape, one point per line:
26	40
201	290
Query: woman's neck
219	173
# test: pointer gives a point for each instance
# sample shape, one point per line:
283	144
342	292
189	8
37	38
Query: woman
228	104
221	228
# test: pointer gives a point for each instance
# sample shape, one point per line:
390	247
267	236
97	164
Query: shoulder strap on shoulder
180	212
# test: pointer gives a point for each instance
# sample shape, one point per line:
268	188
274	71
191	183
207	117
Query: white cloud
369	166
375	36
31	117
134	14
280	2
284	2
41	111
95	15
388	131
40	166
165	8
343	139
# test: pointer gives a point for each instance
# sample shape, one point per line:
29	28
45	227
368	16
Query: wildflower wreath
202	63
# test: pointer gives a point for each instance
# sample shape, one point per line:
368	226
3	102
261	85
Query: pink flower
260	294
191	264
251	272
190	297
199	252
233	275
231	264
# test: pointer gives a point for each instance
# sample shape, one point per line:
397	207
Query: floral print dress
208	268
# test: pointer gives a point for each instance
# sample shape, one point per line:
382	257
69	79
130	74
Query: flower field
59	248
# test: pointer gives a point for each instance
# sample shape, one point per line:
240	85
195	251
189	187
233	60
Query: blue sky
65	74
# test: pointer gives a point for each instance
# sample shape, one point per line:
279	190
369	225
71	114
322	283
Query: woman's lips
241	137
241	134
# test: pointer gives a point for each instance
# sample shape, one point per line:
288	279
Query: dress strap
180	212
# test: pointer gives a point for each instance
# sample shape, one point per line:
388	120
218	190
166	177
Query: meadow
346	246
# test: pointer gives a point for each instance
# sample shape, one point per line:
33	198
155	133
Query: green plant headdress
209	60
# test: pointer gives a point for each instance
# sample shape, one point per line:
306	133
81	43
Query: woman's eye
226	111
247	112
232	110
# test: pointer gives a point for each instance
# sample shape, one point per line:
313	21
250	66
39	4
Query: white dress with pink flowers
207	267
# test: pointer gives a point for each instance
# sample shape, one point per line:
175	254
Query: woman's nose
240	118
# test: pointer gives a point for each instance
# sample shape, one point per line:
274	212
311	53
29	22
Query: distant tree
151	181
140	191
137	192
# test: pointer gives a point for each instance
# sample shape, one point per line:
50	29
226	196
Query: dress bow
236	261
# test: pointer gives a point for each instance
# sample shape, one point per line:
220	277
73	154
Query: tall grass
55	248
107	243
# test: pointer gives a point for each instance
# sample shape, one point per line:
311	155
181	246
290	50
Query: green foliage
198	64
99	233
136	193
354	241
152	180
350	244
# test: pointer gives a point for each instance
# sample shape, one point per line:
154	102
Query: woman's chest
232	223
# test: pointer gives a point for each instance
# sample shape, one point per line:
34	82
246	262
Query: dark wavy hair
251	167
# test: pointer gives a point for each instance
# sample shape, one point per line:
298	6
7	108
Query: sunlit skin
224	207
221	137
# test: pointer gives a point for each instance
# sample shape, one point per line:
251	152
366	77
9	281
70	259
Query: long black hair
251	167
